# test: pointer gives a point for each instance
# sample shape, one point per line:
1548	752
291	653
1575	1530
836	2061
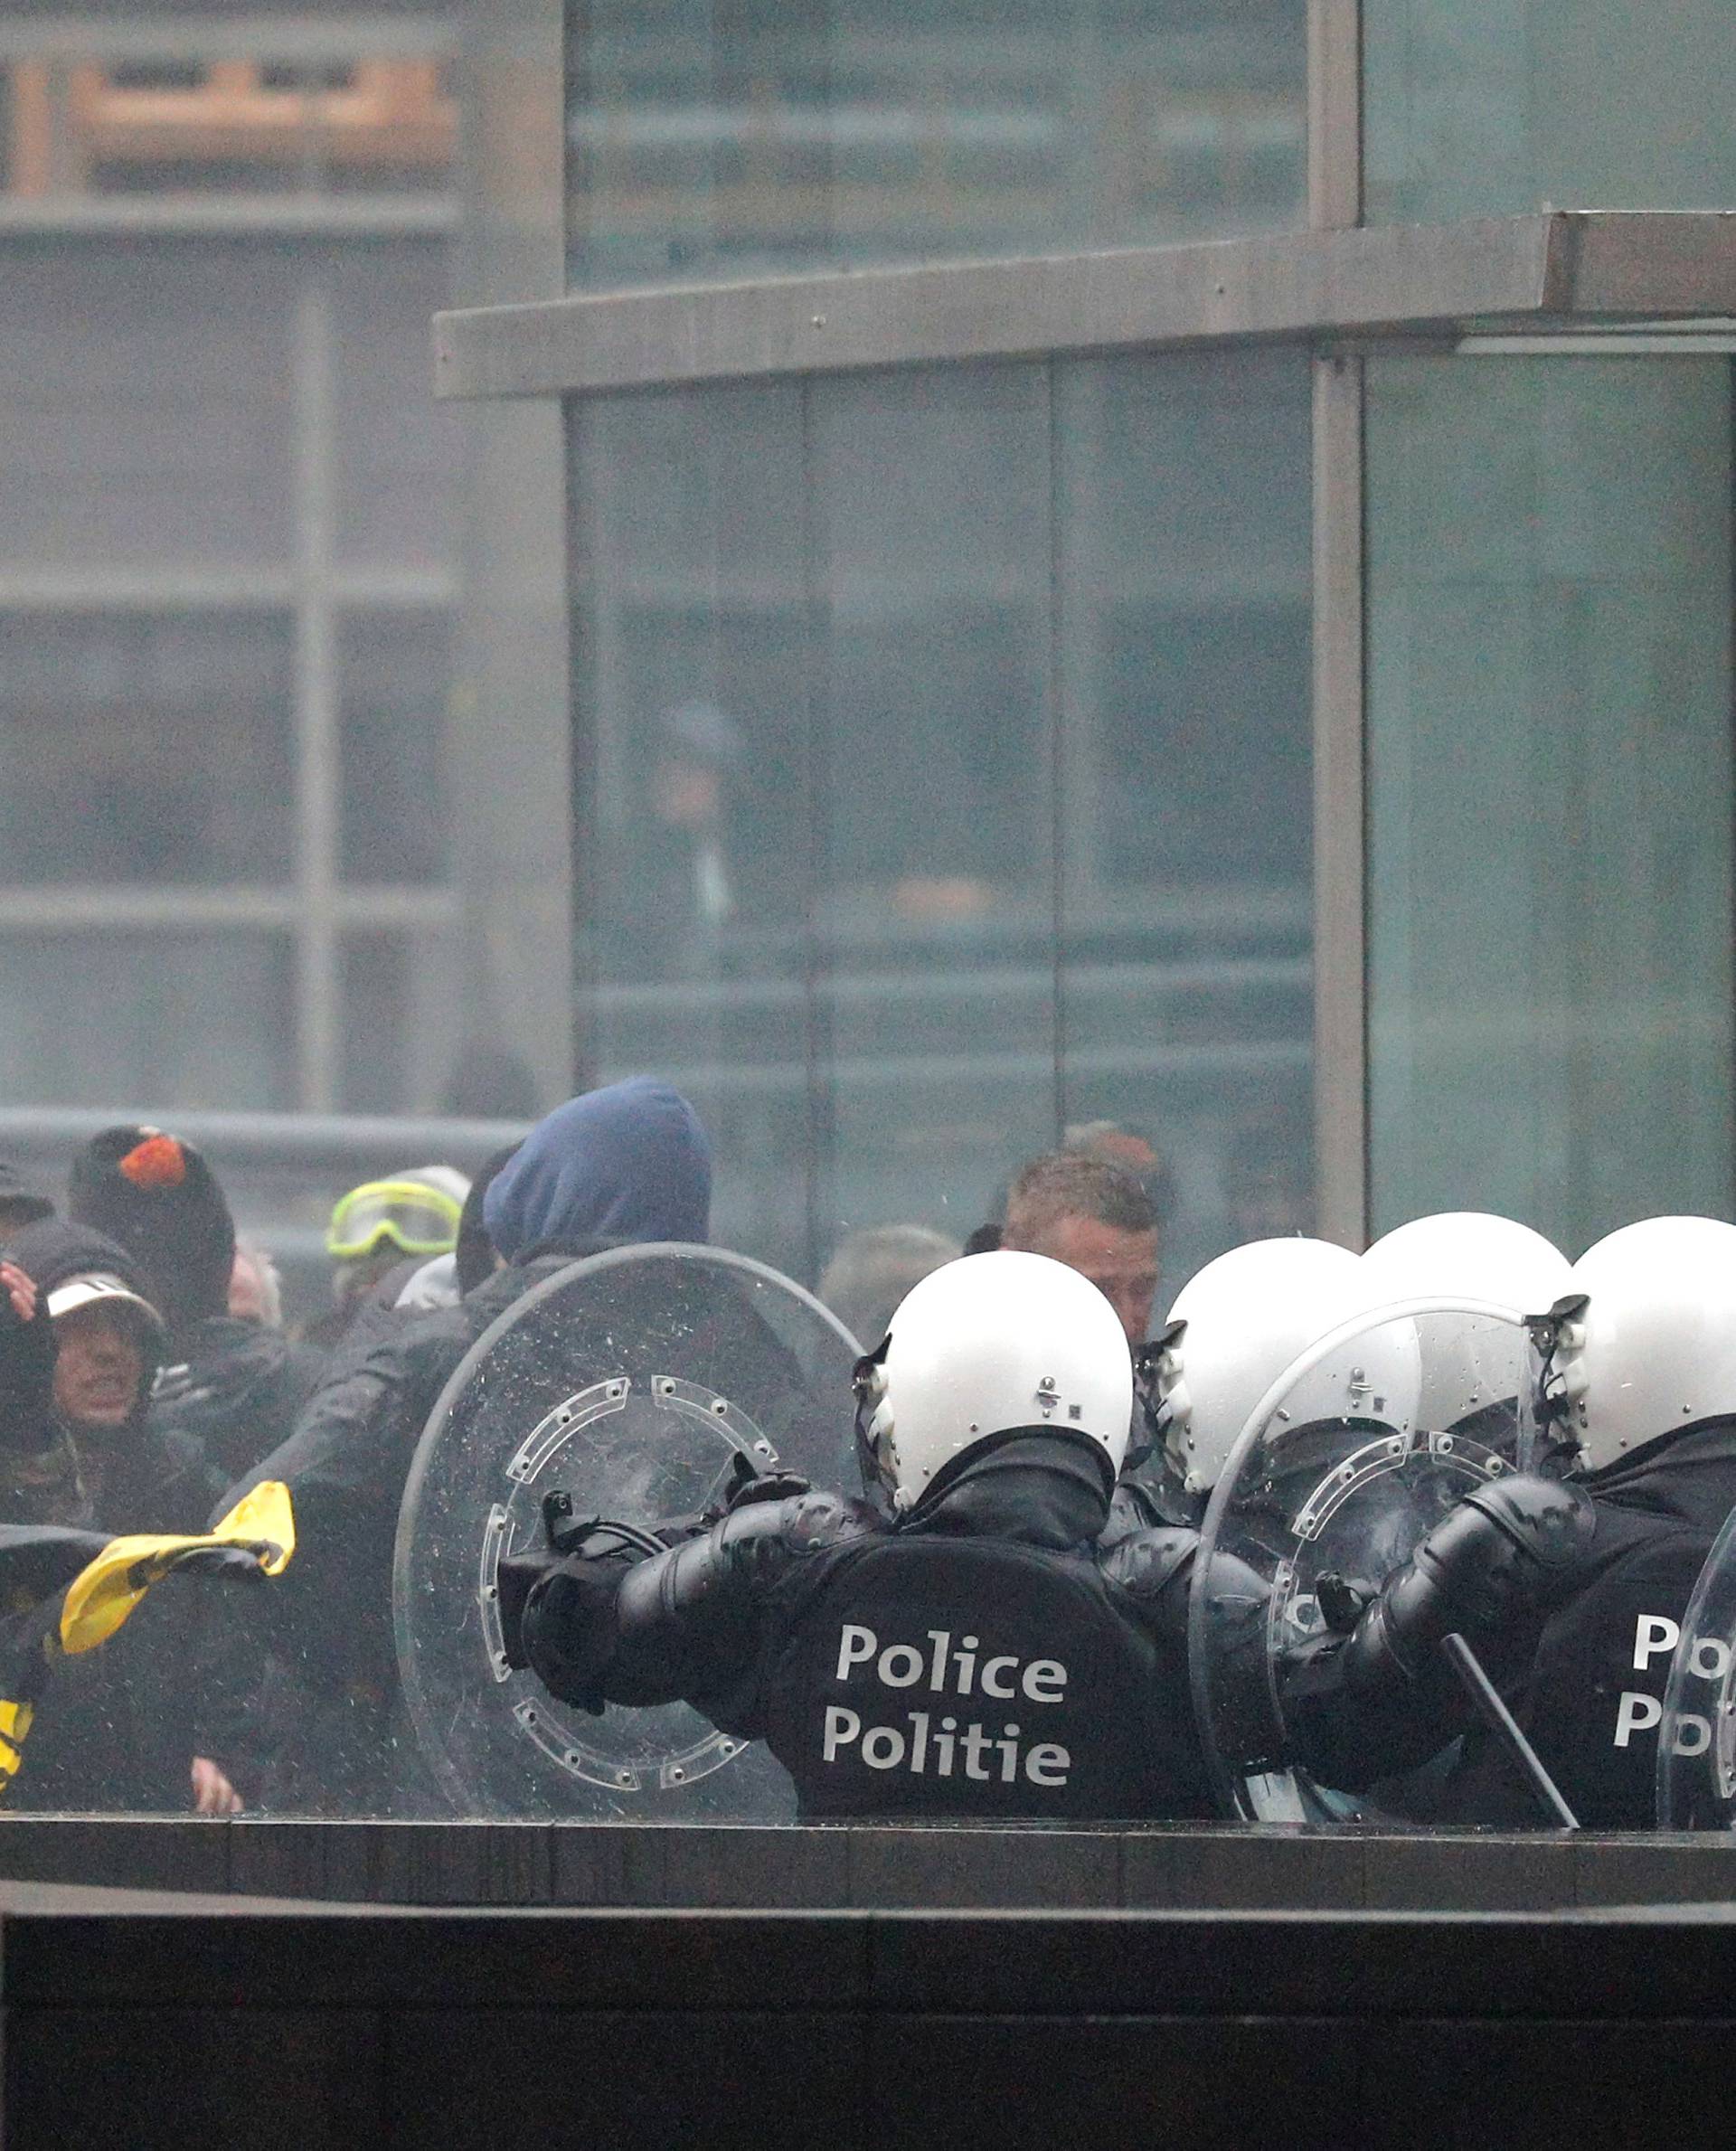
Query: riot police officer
1232	1331
1569	1591
961	1645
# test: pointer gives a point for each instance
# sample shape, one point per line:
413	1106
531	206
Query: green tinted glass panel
1550	798
945	745
1480	107
757	137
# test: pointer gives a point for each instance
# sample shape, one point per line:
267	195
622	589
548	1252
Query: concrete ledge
935	1867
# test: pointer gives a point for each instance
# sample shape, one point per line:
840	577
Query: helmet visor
417	1220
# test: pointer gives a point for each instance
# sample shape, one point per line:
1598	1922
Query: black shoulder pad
1146	1561
766	1536
1551	1520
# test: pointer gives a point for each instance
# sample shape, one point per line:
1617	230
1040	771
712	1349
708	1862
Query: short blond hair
1074	1183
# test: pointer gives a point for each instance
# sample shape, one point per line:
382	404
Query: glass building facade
1159	565
949	732
229	563
947	728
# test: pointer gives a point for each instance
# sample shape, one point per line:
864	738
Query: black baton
1484	1693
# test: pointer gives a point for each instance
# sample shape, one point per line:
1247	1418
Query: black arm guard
1498	1554
1154	1566
682	1626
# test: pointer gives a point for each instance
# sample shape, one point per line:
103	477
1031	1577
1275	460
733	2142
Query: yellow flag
101	1596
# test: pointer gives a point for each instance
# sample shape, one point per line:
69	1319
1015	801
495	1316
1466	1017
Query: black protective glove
26	1377
516	1577
747	1484
1497	1555
566	1624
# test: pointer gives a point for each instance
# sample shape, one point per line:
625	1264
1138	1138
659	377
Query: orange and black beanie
156	1195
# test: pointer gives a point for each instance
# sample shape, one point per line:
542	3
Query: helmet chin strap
869	1382
1556	1389
1152	1362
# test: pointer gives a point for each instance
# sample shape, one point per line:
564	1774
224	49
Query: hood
1041	1489
51	1253
620	1167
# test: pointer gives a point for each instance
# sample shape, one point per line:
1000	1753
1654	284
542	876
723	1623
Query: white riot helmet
1235	1326
1471	1254
983	1346
1653	1347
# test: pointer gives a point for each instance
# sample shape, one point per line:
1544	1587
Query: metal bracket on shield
1338	1486
557	1427
672	1770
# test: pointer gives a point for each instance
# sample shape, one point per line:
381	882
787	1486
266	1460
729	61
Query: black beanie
52	1250
160	1199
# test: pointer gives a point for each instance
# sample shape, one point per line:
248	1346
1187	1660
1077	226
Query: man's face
98	1367
1123	1265
246	1290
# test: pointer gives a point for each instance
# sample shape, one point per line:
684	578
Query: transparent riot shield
630	1381
1355	1453
1696	1735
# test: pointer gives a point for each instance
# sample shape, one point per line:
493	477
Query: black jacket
235	1388
124	1722
1567	1670
983	1655
332	1738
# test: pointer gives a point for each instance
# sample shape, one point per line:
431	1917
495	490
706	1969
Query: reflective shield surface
1696	1736
631	1382
1357	1450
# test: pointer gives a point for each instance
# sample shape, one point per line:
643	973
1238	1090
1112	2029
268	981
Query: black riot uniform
980	1655
1571	1597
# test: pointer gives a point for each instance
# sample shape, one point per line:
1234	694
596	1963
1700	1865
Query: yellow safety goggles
402	1214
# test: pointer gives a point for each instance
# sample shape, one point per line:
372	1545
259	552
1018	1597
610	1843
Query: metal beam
240	215
103	590
128	907
1335	114
1340	852
308	40
1315	287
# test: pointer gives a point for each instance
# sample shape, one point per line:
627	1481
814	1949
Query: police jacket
980	1655
1583	1668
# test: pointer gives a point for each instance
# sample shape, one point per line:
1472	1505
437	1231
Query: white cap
92	1286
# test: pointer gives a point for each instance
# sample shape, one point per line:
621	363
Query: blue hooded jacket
616	1168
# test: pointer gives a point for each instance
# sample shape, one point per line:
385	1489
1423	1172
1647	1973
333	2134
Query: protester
1097	1217
129	1728
625	1165
234	1386
255	1287
381	1234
